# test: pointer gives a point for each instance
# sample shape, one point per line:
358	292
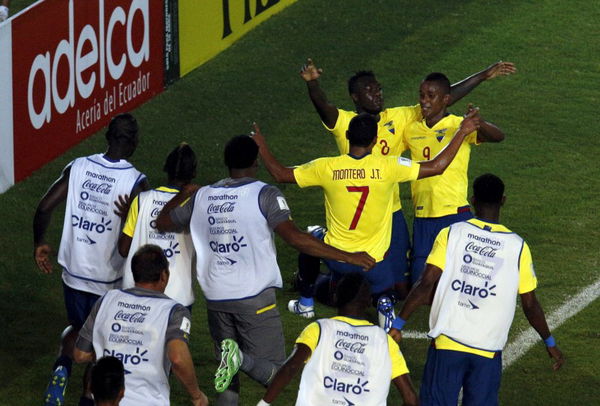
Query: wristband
398	323
263	403
550	341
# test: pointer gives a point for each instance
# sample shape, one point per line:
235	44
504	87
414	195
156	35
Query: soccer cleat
295	307
231	360
385	313
55	392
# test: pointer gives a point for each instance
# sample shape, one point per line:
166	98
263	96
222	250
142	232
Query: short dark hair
148	262
362	130
441	79
358	76
240	152
122	128
488	189
108	379
181	163
349	287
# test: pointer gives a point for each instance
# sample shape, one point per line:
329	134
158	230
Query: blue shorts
380	276
79	305
425	230
399	247
447	371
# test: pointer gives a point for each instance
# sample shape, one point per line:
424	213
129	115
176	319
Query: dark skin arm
163	221
487	131
419	295
287	372
124	201
280	173
535	315
310	245
56	194
124	244
405	387
438	165
327	111
81	357
465	86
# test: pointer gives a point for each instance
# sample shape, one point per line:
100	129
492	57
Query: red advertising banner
75	65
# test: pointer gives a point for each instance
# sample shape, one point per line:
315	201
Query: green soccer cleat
231	360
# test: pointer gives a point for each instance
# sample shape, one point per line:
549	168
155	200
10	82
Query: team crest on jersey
390	126
440	134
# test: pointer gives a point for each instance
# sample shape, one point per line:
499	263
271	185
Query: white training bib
474	302
350	366
88	248
132	328
178	247
233	242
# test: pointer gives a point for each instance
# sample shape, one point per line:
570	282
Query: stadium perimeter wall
67	67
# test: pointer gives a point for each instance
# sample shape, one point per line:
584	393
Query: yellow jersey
440	195
358	198
527	278
310	337
390	127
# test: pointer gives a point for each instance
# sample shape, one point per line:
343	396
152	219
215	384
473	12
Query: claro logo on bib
88	58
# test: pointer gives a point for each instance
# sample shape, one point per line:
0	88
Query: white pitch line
529	337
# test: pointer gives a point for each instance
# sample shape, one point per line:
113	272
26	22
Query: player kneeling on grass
348	360
474	271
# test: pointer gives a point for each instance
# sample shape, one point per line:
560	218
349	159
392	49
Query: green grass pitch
548	162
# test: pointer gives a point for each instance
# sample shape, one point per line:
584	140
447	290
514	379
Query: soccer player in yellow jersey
359	187
474	273
442	200
338	353
367	95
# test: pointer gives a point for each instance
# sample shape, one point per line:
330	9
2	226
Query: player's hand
41	255
201	401
122	205
361	259
395	334
500	69
471	122
556	356
258	137
309	71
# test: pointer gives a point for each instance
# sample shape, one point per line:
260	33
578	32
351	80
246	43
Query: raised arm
438	165
279	172
56	194
285	374
535	315
327	111
183	368
164	223
310	245
464	87
487	131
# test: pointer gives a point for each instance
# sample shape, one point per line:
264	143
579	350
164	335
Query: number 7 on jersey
364	191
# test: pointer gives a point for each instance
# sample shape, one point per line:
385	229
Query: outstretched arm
487	131
439	164
56	195
279	172
308	244
164	223
327	111
419	295
285	374
405	387
535	315
464	87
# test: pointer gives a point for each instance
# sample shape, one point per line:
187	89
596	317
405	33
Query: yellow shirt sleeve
339	130
527	278
310	336
309	174
399	366
132	217
405	170
437	256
